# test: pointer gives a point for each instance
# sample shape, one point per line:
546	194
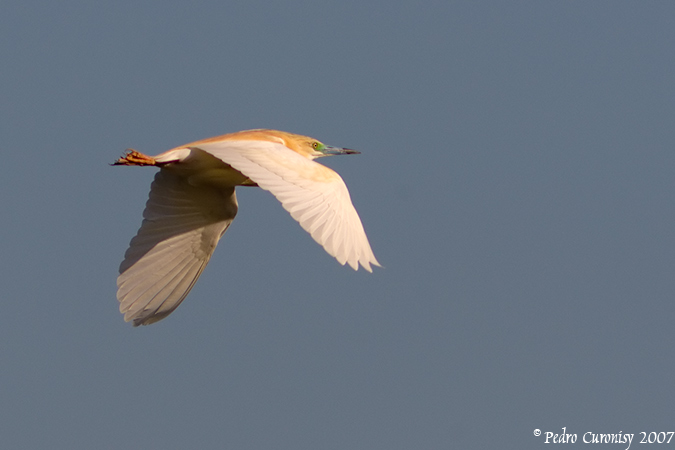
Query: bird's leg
134	158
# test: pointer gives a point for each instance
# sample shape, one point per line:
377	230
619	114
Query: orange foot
134	158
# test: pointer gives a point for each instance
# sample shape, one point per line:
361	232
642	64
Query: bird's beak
330	151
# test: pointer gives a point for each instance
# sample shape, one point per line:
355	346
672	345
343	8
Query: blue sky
516	183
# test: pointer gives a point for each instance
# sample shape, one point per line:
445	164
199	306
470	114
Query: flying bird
192	203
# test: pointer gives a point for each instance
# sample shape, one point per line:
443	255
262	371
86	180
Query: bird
192	202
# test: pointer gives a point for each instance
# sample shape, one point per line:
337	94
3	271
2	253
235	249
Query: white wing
313	194
181	228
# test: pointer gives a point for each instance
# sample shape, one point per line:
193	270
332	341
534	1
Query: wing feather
181	228
315	196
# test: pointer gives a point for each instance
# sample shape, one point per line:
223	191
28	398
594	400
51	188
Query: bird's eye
315	145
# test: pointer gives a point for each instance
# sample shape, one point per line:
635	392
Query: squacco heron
192	202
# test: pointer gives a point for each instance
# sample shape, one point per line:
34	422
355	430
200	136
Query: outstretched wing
313	194
181	228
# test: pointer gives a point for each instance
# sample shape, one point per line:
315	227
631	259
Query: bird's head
310	147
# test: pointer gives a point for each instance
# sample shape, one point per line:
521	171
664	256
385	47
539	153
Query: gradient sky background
516	183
